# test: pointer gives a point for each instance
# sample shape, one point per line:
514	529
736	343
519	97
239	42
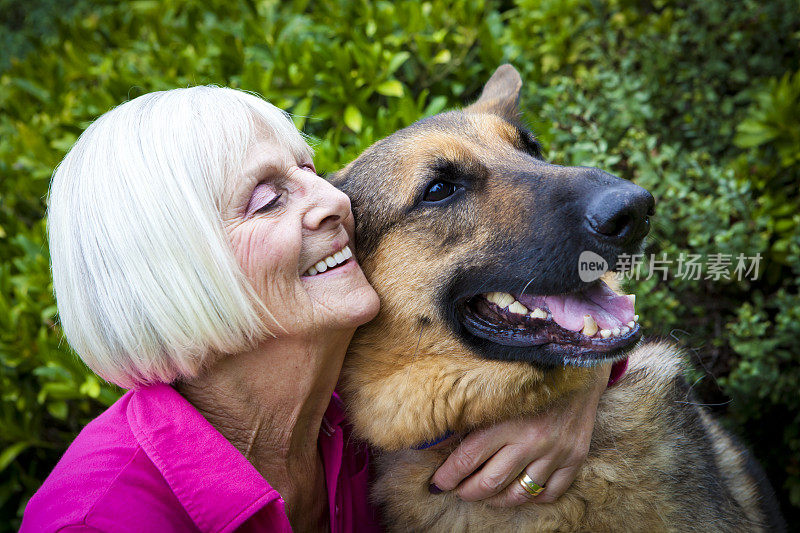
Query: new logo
591	266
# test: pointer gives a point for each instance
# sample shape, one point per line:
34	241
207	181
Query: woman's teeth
329	262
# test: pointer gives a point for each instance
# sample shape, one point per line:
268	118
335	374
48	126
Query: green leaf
300	112
90	387
352	118
397	61
58	410
144	6
49	312
436	105
58	391
11	453
31	88
444	56
752	133
390	88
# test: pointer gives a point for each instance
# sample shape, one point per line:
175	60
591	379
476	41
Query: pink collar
618	370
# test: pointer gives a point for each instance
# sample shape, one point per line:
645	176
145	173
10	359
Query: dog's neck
402	388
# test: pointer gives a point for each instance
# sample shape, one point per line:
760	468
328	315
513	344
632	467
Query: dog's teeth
632	298
589	326
321	266
347	253
311	271
605	333
339	257
501	299
624	330
636	318
615	331
505	299
538	313
518	308
631	324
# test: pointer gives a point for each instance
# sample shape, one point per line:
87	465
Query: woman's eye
264	197
439	190
269	205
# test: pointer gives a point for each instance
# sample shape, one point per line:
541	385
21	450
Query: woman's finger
494	476
539	471
557	485
473	451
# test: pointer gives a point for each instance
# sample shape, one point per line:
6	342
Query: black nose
620	213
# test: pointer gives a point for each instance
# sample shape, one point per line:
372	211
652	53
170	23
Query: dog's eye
439	190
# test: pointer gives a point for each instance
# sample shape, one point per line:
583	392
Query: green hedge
697	101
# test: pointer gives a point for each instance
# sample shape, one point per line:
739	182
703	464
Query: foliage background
698	101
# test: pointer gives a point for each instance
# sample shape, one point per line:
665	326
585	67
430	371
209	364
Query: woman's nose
328	205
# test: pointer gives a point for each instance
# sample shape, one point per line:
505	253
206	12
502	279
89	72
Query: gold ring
530	486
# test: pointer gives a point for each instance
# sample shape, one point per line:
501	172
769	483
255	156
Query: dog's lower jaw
382	375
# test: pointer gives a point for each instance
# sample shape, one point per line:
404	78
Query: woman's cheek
253	256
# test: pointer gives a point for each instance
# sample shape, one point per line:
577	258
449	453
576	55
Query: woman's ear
500	95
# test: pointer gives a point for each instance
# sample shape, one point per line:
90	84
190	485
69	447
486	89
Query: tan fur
731	461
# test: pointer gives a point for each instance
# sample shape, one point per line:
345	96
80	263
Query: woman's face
283	221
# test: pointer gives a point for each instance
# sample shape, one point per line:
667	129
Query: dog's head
475	245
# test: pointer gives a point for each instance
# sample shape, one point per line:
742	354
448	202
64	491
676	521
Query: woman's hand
549	447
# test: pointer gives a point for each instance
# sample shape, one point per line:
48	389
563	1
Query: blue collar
431	443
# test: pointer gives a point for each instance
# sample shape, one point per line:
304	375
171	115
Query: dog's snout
620	214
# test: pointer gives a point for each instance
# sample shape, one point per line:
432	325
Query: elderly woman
182	228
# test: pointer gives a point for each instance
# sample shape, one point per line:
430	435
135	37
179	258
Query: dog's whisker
700	404
695	351
419	340
527	284
698	380
624	459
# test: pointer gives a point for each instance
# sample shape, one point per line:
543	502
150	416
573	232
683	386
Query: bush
697	101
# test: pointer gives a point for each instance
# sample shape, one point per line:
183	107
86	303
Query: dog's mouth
581	328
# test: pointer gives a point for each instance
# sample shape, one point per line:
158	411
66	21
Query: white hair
146	283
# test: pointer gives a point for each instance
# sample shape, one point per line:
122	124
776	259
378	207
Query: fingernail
433	489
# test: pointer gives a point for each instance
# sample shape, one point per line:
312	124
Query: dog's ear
500	95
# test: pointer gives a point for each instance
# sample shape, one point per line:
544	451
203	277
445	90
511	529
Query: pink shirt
151	462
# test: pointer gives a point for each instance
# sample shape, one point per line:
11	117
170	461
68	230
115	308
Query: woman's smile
336	261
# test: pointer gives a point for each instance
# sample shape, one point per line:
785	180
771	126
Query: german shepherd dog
472	241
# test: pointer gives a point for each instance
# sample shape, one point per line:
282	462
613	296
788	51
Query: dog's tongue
608	308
